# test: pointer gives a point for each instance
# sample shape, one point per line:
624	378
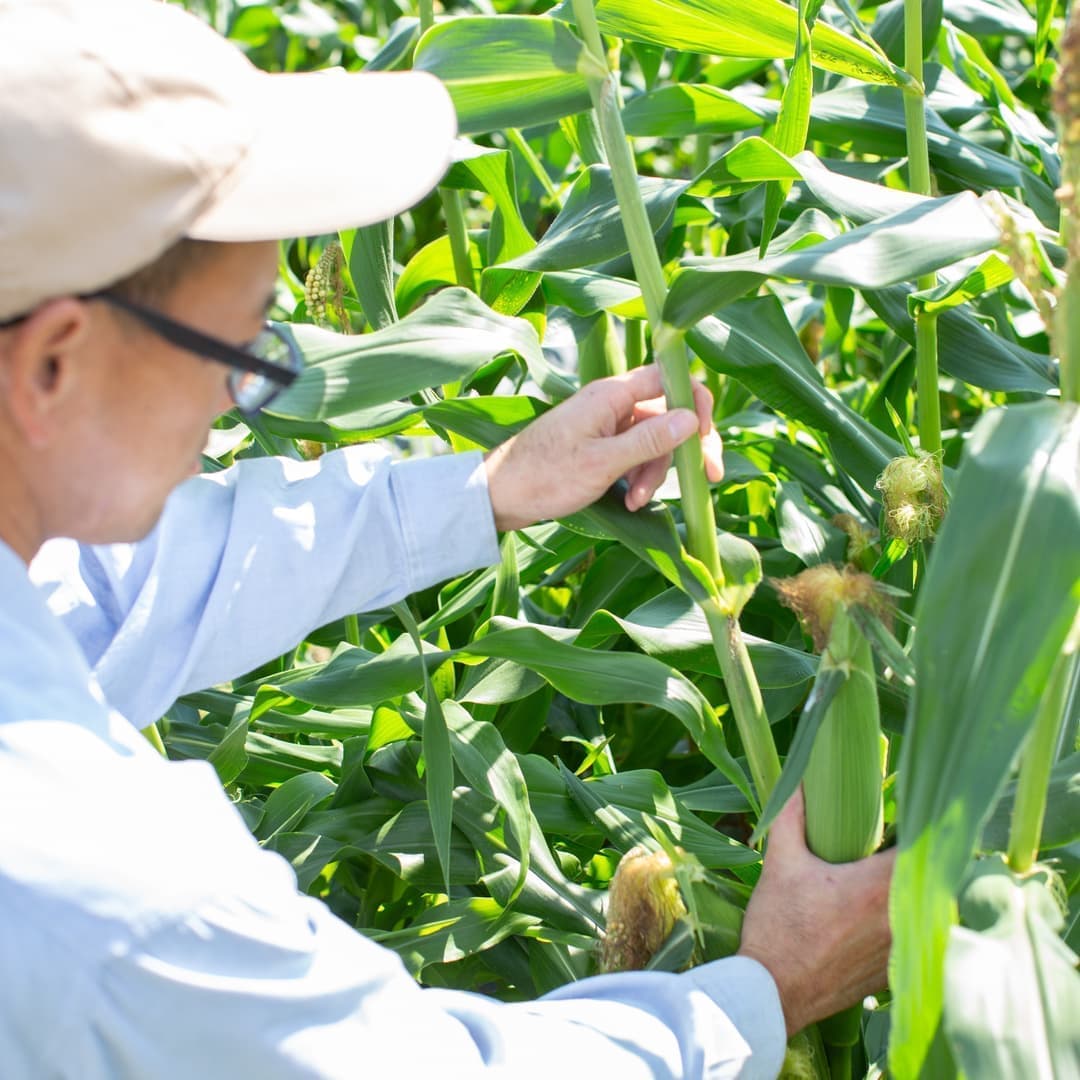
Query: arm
244	563
168	944
821	929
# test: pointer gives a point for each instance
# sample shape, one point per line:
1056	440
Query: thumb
653	438
787	837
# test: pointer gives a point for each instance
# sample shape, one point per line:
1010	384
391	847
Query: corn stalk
453	203
926	337
1067	106
1039	755
669	348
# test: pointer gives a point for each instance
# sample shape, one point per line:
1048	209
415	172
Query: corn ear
651	893
842	783
643	907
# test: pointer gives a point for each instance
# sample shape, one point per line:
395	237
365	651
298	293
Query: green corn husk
842	782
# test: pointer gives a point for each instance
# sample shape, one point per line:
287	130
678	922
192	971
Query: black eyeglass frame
234	356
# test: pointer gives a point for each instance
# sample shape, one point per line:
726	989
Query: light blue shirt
143	931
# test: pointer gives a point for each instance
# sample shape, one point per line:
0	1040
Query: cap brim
332	150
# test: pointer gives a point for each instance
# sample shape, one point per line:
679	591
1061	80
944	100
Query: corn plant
855	222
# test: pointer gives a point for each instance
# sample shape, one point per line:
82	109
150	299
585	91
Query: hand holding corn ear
821	929
612	428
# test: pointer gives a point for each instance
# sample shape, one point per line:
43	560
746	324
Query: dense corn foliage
855	221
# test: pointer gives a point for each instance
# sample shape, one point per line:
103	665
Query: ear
39	368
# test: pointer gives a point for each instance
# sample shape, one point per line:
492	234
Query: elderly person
143	931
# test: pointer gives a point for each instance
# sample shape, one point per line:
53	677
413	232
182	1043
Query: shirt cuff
446	518
747	994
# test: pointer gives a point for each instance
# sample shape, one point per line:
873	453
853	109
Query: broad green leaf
589	228
506	70
445	341
792	124
586	292
621	804
969	350
672	628
492	171
991	18
484	169
288	805
1012	986
747	163
905	245
808	536
490	768
689	109
754	343
438	752
369	252
589	676
1045	13
871	120
229	757
650	534
394	52
506	599
1002	590
452	931
765	28
430	269
990	274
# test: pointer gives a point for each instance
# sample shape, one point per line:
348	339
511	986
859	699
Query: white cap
128	124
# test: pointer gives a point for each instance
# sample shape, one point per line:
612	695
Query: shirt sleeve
168	944
245	562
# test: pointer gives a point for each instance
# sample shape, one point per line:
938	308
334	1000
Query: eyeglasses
260	370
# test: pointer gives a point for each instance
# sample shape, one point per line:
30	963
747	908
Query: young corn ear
913	493
643	906
651	892
842	782
324	289
843	778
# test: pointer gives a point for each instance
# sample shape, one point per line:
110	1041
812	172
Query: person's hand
822	930
611	428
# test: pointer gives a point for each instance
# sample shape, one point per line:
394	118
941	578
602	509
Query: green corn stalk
1067	107
926	337
453	203
1033	782
669	348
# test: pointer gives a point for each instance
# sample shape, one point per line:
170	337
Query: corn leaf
765	28
904	245
445	341
826	686
589	228
789	135
1002	590
968	349
505	71
1012	984
753	342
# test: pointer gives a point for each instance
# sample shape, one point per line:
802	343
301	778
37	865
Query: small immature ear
39	372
